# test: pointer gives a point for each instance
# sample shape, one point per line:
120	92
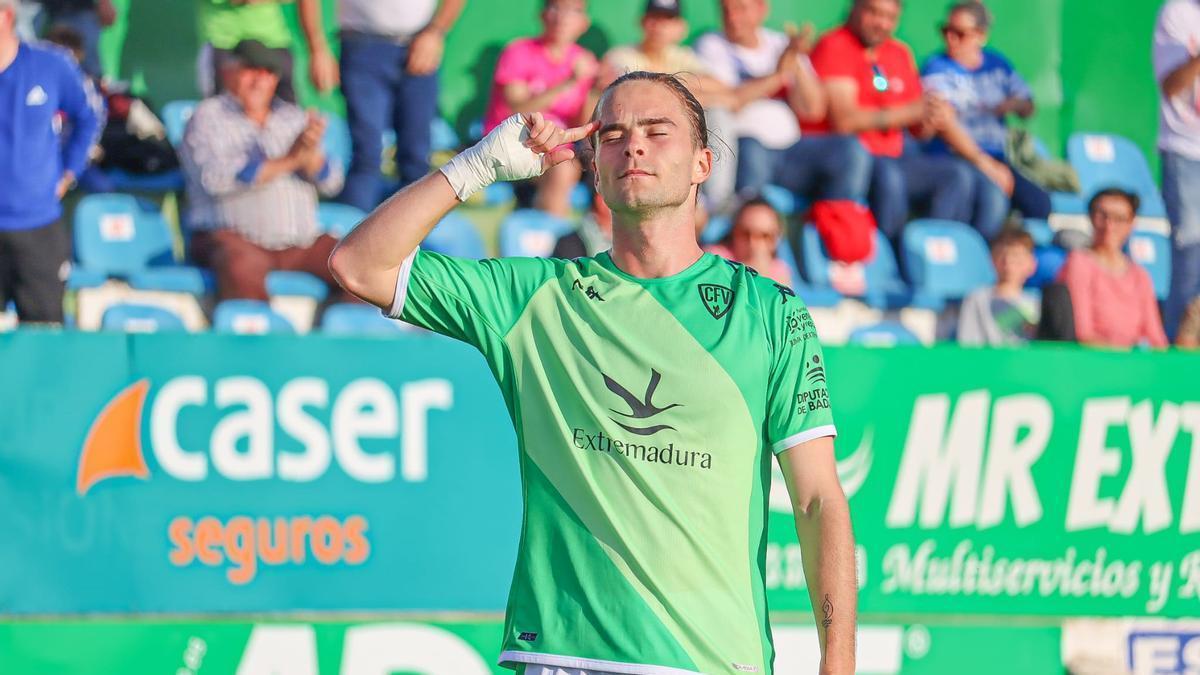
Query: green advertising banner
234	475
462	647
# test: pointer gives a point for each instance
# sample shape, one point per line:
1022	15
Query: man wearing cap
38	166
254	165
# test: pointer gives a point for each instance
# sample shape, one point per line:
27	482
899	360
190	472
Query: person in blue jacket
39	84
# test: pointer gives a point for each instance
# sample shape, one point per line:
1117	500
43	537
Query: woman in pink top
1112	296
552	75
753	239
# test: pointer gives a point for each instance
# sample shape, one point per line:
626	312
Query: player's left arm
827	547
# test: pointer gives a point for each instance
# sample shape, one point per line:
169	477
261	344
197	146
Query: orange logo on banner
114	443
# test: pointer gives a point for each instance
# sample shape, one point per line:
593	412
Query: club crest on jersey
716	299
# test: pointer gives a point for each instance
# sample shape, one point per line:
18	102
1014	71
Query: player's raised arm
827	547
368	261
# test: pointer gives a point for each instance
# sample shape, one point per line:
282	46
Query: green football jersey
647	413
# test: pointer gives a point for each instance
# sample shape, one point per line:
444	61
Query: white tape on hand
498	156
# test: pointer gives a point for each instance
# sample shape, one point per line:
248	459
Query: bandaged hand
522	146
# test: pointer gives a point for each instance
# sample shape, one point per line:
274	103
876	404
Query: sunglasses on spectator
948	30
879	79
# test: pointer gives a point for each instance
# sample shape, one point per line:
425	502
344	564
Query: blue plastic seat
303	284
581	197
337	140
781	199
946	259
116	235
715	230
338	219
137	318
884	288
455	235
499	194
1152	251
883	334
346	318
1050	260
1108	160
1067	203
175	116
529	232
249	317
1040	231
442	136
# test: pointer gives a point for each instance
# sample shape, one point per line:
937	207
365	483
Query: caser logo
642	409
241	430
249	424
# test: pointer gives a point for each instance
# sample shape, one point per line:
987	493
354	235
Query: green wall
1088	61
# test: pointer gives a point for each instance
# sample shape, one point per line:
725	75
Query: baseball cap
663	7
254	54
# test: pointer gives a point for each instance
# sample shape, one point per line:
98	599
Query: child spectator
1003	314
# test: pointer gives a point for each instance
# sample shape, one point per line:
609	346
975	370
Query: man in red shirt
875	92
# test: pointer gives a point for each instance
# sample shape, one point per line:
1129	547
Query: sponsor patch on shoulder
527	636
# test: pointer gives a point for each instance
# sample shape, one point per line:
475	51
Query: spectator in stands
391	50
774	86
225	23
984	89
754	238
254	165
87	18
875	92
553	75
1112	297
593	235
661	51
1003	314
1177	69
37	167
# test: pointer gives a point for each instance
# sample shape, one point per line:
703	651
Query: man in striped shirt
254	166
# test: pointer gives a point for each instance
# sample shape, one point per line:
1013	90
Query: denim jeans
939	186
87	23
992	205
1181	192
379	94
817	167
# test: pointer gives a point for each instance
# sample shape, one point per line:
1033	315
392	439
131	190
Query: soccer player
650	387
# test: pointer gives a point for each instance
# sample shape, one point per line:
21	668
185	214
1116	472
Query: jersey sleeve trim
402	285
804	437
598	665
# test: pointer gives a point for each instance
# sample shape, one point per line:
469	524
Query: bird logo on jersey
640	409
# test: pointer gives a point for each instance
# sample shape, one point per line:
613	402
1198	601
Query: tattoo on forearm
827	610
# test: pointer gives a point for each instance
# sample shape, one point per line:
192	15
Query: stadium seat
442	136
1153	252
1050	260
883	334
352	319
1107	160
581	197
249	317
302	284
879	277
529	232
338	219
137	318
1040	230
780	199
946	259
455	235
715	230
118	236
499	194
175	116
337	139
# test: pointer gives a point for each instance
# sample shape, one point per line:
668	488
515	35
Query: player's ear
702	165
